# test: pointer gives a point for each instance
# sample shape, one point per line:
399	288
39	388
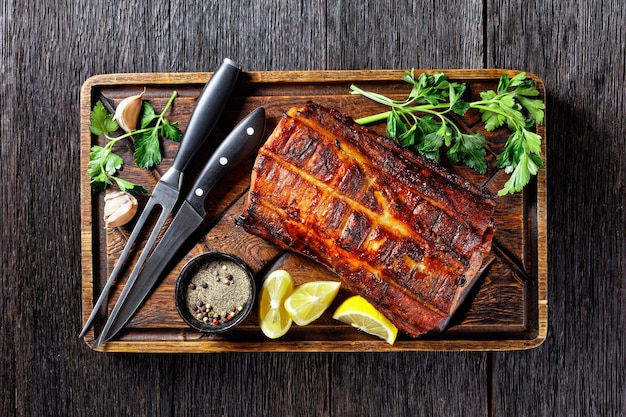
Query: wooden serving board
506	310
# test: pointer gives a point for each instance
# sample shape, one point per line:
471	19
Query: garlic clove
119	208
127	112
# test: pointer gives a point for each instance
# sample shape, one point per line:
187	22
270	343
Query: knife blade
204	117
238	145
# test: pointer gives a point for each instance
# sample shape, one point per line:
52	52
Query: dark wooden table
48	49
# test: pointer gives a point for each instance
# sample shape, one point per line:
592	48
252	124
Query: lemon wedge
310	300
359	313
273	318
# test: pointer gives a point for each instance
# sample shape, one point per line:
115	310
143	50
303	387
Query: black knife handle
207	112
238	145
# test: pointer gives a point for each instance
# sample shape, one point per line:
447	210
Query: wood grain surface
507	309
48	50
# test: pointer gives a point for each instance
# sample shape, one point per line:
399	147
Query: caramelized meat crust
398	229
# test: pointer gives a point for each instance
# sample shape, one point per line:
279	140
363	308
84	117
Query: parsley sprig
422	122
104	163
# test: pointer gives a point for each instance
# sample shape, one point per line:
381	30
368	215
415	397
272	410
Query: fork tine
139	226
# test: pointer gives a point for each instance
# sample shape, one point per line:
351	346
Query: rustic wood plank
261	35
252	384
54	373
412	385
580	369
404	34
9	229
48	49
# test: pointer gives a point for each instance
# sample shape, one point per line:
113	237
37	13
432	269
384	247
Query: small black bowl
214	292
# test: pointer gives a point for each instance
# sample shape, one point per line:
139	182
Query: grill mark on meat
398	193
430	180
363	278
402	236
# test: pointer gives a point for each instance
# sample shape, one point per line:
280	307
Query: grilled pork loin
398	229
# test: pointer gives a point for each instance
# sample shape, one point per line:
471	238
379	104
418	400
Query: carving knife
238	145
204	117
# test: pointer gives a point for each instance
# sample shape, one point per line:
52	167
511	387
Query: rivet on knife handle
230	153
205	116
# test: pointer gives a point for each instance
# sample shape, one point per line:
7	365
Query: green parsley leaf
534	107
147	139
460	107
396	127
102	168
171	131
147	149
407	138
125	185
428	125
520	174
429	146
102	122
102	159
147	115
470	150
